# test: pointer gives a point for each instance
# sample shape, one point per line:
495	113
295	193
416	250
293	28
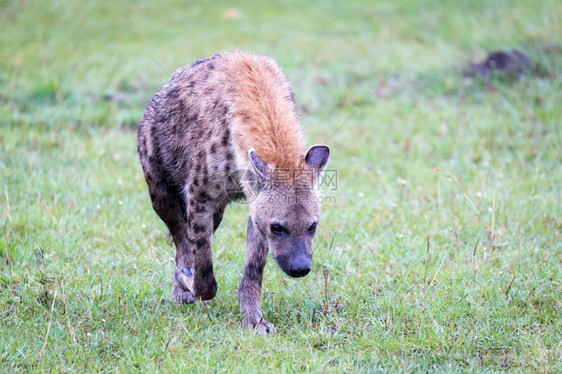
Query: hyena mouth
299	272
297	267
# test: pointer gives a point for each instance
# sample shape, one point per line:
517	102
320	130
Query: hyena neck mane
264	113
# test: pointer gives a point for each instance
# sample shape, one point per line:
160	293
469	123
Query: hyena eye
277	229
312	228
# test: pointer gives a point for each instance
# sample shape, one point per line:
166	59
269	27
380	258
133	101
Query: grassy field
441	252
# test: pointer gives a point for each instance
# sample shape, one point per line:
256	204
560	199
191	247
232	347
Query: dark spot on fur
211	66
201	243
198	168
180	106
192	118
198	228
144	143
205	181
213	148
199	62
191	189
164	118
206	272
226	137
200	209
229	156
227	169
201	154
174	93
217	186
253	271
204	196
196	182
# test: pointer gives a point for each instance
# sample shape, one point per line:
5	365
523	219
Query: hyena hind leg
200	231
169	205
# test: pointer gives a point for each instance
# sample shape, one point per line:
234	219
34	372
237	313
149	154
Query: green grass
442	251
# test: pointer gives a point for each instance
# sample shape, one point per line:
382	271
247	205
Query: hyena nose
299	267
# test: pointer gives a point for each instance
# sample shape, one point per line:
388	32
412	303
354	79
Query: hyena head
286	208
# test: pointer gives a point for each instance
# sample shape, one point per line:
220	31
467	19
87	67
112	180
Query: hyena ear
257	164
317	157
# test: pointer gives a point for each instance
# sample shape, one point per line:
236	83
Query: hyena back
219	116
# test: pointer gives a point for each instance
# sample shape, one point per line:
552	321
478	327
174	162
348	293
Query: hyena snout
295	265
299	266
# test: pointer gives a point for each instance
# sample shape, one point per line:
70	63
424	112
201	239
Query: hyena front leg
249	292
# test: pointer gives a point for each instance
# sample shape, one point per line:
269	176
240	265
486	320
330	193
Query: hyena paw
182	297
258	324
184	279
183	286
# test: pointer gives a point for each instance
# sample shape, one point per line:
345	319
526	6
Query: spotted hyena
223	124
